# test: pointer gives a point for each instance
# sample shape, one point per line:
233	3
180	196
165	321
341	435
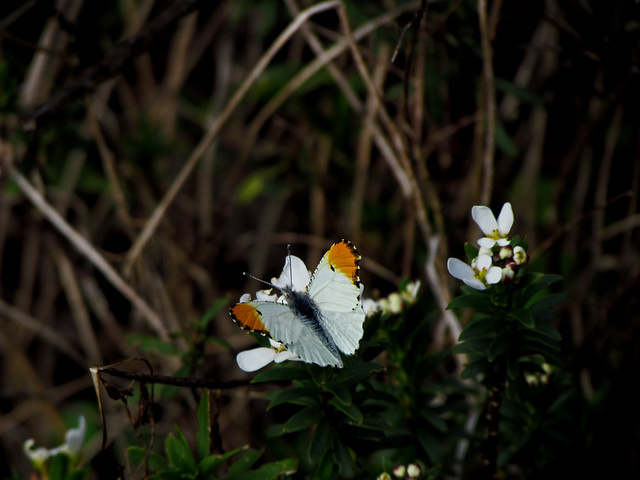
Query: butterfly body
322	320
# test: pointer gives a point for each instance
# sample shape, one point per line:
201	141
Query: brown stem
496	394
176	381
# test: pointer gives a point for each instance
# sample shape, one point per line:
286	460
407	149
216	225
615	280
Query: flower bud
520	255
400	471
414	471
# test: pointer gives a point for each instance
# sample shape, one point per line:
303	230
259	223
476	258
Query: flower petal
286	355
298	269
483	216
252	360
505	219
74	437
458	269
266	295
484	262
36	455
494	275
486	242
464	272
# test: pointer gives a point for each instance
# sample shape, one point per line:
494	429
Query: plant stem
496	394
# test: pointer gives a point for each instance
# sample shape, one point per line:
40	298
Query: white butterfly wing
276	320
335	289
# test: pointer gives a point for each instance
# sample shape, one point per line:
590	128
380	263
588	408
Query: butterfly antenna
290	265
260	280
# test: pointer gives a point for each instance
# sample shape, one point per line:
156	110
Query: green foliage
181	462
512	323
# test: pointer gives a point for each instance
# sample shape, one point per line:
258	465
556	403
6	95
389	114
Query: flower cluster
72	445
497	260
395	302
403	471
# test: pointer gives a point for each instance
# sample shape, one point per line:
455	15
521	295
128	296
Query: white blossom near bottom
478	276
73	440
255	359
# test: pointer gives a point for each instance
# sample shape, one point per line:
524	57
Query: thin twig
86	249
57	341
110	66
325	58
489	105
175	381
216	126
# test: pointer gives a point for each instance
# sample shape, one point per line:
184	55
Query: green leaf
245	461
179	453
472	300
549	354
504	141
270	471
435	420
480	366
326	466
211	463
513	369
305	418
547	302
471	251
203	437
59	468
342	457
319	441
481	326
212	312
354	374
473	345
537	338
340	392
350	411
524	316
137	455
150	343
430	445
540	284
524	94
281	373
548	330
289	395
499	345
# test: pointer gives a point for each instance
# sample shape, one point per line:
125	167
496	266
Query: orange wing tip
344	257
248	317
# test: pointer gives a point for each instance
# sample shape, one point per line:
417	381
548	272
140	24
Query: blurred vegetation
152	151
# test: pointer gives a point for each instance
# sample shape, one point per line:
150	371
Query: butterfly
320	322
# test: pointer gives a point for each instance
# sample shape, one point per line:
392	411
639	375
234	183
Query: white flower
298	270
400	471
413	471
301	278
519	255
508	273
495	231
370	306
255	359
505	252
38	455
74	438
410	293
478	276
